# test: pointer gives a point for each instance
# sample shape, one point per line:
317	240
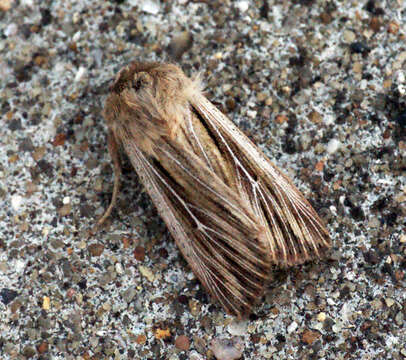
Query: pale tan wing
295	233
225	248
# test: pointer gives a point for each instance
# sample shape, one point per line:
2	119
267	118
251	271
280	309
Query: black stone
15	124
46	17
401	119
358	47
45	167
7	295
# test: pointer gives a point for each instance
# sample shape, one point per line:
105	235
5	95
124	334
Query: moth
232	212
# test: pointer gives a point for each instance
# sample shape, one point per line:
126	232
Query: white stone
80	74
252	114
11	30
238	328
242	5
146	272
119	269
330	301
333	146
292	327
149	6
16	202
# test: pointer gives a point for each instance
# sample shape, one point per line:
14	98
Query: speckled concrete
319	85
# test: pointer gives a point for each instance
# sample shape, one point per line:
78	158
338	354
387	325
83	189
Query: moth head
149	100
133	76
142	81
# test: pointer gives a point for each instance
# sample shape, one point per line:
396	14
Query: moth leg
113	151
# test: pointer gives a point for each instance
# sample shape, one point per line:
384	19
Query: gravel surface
319	85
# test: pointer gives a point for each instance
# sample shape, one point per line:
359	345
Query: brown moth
232	213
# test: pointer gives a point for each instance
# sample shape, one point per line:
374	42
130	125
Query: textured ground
319	85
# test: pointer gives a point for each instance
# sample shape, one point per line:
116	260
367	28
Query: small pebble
194	355
95	249
321	316
349	36
199	344
5	5
81	73
310	336
238	328
29	352
333	146
337	328
182	342
146	272
243	6
399	318
65	210
315	117
139	253
46	303
180	44
149	6
330	301
281	119
11	30
42	347
7	295
373	222
227	349
59	140
119	269
16	202
129	294
162	334
292	327
141	339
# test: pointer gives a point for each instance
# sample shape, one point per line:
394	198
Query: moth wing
229	257
295	233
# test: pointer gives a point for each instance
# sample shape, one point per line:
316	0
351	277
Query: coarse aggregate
319	85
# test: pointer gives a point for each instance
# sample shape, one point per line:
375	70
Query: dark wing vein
225	248
295	233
